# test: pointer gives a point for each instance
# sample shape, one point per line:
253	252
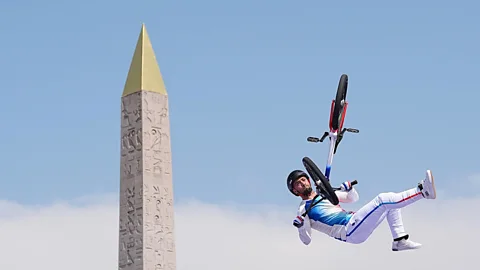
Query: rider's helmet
292	177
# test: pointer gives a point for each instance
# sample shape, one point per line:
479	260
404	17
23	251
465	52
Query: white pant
366	219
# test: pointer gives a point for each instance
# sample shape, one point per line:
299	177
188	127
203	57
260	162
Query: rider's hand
346	186
298	222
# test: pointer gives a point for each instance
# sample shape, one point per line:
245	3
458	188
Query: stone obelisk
146	232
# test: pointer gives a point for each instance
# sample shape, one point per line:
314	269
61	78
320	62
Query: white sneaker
428	186
405	245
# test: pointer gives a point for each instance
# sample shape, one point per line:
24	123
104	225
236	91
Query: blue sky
252	79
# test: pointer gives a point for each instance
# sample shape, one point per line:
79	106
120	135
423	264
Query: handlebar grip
353	183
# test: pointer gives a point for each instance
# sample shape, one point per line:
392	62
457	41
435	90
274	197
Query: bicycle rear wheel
340	100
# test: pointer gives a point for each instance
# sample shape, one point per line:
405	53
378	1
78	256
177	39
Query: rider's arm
305	232
347	196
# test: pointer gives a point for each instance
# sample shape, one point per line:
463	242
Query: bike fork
333	140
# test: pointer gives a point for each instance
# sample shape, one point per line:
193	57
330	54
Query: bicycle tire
325	188
338	106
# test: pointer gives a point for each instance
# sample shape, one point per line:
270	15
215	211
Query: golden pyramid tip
144	73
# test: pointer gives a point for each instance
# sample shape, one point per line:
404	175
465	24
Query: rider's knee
384	197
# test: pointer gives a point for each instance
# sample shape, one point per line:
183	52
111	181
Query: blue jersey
326	217
327	213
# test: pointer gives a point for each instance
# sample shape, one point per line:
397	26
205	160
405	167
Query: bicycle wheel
340	99
324	185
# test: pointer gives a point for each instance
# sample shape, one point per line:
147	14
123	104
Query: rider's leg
366	220
400	237
395	222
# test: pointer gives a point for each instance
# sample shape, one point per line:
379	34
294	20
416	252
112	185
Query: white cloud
212	237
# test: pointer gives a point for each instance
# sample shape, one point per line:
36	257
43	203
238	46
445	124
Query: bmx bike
336	132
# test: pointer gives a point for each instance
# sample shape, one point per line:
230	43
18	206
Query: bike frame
333	139
333	136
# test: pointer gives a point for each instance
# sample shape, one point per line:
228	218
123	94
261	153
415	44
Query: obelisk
146	231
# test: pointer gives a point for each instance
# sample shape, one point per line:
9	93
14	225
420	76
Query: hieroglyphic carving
131	188
157	183
157	151
146	237
131	229
156	109
131	109
131	140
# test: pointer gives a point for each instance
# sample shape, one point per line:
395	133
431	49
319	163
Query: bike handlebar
354	182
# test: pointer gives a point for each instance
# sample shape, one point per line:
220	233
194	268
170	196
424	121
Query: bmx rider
356	227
